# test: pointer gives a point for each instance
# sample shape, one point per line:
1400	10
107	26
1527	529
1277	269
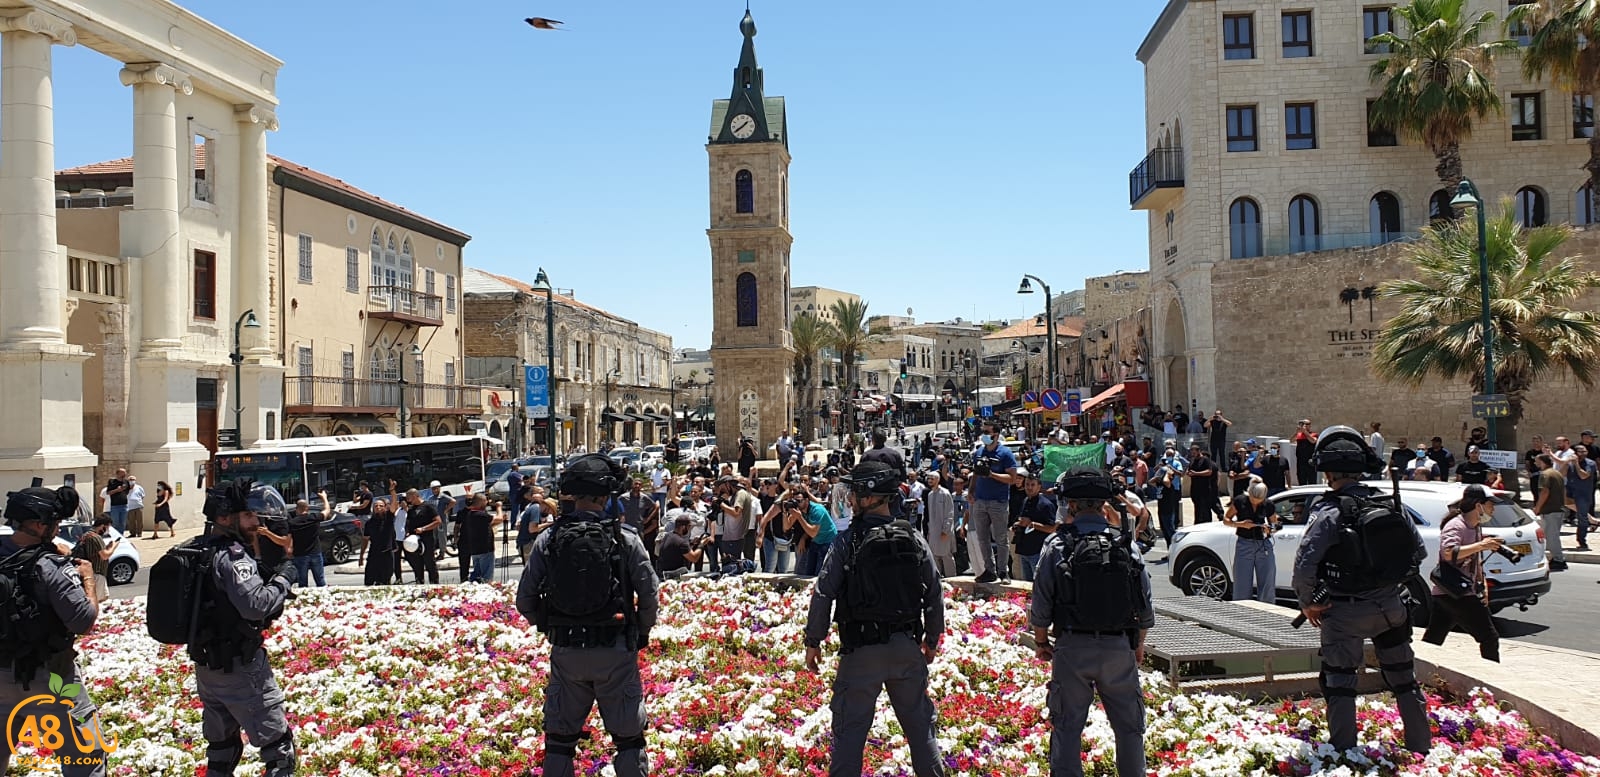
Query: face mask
986	439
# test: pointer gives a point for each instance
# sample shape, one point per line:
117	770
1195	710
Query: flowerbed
448	681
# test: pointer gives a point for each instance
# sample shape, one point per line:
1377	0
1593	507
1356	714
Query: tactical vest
223	636
585	598
30	631
1376	545
882	586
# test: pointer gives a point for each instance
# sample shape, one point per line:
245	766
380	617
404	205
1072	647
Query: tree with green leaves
850	337
1560	49
809	335
1438	333
1435	73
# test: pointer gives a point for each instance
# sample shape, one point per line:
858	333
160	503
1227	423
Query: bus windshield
284	471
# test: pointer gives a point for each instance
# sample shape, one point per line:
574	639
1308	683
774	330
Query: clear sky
940	149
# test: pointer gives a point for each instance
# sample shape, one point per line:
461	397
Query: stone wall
1107	298
1287	347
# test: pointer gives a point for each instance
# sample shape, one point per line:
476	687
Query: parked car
124	561
339	537
1201	557
541	475
652	454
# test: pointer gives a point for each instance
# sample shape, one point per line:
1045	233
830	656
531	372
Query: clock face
743	126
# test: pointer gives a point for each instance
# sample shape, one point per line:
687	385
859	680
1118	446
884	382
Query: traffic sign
1051	399
1498	459
1490	406
536	390
1074	403
987	411
227	438
1030	400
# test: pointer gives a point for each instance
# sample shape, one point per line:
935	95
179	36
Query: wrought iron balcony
1157	179
407	305
316	395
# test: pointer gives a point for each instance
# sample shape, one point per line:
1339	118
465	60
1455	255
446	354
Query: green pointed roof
749	96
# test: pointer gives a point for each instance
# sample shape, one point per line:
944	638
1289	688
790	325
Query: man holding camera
678	551
994	469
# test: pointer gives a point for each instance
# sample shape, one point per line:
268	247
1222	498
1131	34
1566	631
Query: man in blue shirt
994	470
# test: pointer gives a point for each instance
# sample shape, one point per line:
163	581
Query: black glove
644	639
287	572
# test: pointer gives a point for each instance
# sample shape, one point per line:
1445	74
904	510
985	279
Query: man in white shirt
913	500
1376	439
839	501
658	484
135	507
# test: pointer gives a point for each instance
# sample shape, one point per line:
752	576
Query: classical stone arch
1174	348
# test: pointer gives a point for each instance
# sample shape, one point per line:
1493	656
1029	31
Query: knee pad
635	742
1407	670
224	756
279	756
1324	679
563	744
1395	637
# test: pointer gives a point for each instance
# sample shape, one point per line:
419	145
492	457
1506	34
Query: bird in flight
541	23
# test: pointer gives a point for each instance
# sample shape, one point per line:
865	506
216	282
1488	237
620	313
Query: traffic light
902	369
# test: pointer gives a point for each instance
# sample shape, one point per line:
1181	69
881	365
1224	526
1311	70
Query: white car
1201	557
124	561
652	454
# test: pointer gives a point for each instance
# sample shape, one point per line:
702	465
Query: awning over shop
656	417
561	416
1009	406
616	418
916	397
1104	396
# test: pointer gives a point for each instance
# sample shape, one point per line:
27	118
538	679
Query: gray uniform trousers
864	673
1253	561
580	677
12	694
1083	664
248	699
992	519
1345	627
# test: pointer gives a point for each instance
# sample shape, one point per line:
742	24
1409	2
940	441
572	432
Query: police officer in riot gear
58	593
1339	593
238	600
878	651
594	654
1098	624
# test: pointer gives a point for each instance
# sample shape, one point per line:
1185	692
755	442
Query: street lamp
404	417
672	404
605	425
248	321
1467	196
541	282
1049	325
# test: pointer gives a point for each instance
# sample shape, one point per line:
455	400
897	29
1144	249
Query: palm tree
1536	336
1559	48
809	335
849	338
1436	78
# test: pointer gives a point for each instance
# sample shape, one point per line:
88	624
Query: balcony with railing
406	305
1157	180
316	395
1247	243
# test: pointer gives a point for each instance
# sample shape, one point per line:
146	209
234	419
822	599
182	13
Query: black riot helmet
1343	450
41	504
593	475
1084	483
873	477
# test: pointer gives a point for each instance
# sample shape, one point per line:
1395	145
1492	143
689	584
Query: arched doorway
495	430
443	429
301	430
1175	347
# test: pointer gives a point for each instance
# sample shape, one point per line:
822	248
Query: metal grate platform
1208	653
1240	621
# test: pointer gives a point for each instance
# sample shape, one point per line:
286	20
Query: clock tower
751	354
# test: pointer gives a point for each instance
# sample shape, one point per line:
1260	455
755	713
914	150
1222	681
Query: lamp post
1049	325
611	376
246	320
404	417
1467	196
541	282
672	404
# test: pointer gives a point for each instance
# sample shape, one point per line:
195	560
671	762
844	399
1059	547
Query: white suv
1201	557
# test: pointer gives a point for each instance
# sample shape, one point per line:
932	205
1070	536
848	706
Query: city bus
300	467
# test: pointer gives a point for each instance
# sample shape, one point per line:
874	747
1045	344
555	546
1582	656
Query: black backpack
1377	544
1099	582
584	583
176	588
30	632
883	574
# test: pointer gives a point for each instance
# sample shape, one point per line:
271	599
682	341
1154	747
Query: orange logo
34	723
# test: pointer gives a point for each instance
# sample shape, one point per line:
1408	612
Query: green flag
1060	458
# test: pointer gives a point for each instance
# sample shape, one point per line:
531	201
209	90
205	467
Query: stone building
117	307
751	351
1107	298
1269	195
611	376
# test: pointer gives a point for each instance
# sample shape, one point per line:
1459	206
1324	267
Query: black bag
173	605
1377	545
883	575
1453	581
30	632
1100	583
584	582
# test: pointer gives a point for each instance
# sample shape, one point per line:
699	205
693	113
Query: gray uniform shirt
237	577
1322	533
57	582
1041	611
642	575
831	582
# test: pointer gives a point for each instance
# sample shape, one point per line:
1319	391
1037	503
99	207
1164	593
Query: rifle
1318	596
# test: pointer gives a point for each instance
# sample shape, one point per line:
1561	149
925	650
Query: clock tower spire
752	357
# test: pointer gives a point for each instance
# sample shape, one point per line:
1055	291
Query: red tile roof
1070	326
527	289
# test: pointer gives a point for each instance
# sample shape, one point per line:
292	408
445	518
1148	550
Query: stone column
30	269
251	260
150	235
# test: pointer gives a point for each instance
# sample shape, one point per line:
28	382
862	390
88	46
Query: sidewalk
1553	688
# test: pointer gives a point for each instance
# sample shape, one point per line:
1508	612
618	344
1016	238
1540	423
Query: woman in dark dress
164	509
377	555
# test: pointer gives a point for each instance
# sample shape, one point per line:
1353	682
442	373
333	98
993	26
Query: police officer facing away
579	589
1348	575
1092	594
881	586
59	594
238	601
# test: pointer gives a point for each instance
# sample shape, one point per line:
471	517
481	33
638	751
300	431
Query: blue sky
940	150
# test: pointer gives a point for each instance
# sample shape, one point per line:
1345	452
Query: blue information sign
987	411
536	391
1074	403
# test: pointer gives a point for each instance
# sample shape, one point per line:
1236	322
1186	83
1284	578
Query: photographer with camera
1459	593
994	469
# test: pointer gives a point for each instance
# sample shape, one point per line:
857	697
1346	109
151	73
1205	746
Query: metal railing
1281	245
1161	169
359	393
400	300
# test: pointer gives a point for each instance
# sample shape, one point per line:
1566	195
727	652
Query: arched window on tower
744	192
1244	228
1585	211
1439	207
1305	225
1531	211
745	299
1383	217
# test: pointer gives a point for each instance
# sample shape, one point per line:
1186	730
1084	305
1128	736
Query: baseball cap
1586	433
435	484
1471	497
1472	449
